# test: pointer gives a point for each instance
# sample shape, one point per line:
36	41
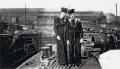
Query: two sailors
69	34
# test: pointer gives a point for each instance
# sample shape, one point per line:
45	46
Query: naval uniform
78	36
75	34
61	29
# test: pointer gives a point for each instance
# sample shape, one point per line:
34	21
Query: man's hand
81	40
68	43
58	37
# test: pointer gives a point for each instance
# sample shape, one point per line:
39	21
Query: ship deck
36	62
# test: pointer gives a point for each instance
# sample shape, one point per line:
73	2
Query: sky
107	6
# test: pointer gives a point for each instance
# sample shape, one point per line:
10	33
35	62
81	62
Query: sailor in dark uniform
75	37
78	41
61	31
71	56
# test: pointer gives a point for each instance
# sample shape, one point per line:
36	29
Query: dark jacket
61	27
75	28
78	30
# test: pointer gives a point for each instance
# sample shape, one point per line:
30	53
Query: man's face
72	15
63	14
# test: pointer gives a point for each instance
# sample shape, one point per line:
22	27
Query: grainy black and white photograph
59	34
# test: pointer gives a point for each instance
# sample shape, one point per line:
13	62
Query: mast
116	13
25	13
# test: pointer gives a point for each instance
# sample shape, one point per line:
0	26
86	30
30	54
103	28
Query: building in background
43	21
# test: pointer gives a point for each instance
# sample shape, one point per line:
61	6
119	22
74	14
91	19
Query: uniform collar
72	19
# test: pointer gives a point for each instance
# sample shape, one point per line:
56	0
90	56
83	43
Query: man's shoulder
78	20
